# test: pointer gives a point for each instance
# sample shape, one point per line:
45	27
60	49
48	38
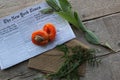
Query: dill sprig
69	68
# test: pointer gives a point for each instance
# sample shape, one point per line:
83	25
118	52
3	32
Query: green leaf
91	37
65	5
81	26
107	46
53	4
69	17
47	11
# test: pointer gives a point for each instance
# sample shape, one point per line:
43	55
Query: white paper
16	30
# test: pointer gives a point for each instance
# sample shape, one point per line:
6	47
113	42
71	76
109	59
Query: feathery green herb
69	68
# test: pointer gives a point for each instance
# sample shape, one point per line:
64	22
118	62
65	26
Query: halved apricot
51	30
40	37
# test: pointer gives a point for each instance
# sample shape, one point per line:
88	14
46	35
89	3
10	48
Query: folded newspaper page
16	30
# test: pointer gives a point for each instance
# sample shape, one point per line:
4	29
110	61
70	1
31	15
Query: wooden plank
107	28
29	76
10	6
109	69
103	72
88	9
115	66
17	71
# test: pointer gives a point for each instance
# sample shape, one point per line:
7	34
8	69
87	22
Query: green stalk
69	69
64	9
54	5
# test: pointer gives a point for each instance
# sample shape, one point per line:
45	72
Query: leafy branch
64	9
69	68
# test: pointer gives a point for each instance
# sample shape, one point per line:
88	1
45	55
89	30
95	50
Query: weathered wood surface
106	27
108	70
88	9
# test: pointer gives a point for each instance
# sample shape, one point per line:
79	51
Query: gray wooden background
100	16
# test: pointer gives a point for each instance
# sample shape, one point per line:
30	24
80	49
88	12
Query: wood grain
88	9
106	27
108	70
10	6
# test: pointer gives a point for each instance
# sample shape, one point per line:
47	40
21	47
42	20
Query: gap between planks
107	15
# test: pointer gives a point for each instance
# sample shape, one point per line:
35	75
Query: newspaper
16	30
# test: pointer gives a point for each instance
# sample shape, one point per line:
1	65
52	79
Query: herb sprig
64	9
69	68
